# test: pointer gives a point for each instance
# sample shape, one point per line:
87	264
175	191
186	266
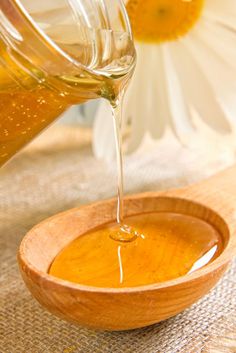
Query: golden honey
24	115
167	246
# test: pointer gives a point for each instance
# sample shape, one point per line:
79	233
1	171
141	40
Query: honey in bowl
166	246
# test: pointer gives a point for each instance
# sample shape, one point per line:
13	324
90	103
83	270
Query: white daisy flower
185	77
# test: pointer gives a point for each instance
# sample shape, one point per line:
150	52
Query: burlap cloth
58	172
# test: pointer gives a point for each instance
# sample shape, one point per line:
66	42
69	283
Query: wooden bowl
120	309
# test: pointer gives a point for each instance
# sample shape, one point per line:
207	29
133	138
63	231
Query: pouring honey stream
46	66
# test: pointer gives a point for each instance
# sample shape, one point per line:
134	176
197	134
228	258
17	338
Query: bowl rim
222	260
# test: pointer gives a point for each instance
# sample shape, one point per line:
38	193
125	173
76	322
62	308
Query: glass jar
54	55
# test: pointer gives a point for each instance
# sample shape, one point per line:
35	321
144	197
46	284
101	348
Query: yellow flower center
163	20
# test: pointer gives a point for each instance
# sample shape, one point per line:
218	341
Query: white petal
178	105
222	11
221	6
138	116
198	90
220	39
220	76
158	114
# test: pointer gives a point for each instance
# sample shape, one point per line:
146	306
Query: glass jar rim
46	39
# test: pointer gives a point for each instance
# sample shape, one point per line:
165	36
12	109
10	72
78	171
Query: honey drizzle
138	250
124	233
117	121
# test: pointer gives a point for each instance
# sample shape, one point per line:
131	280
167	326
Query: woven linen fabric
59	172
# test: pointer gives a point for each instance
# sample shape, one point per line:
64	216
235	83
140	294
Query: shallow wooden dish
119	309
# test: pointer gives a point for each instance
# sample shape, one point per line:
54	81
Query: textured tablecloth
58	172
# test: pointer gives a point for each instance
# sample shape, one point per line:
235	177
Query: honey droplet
123	233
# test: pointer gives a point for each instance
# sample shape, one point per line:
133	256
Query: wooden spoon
213	200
